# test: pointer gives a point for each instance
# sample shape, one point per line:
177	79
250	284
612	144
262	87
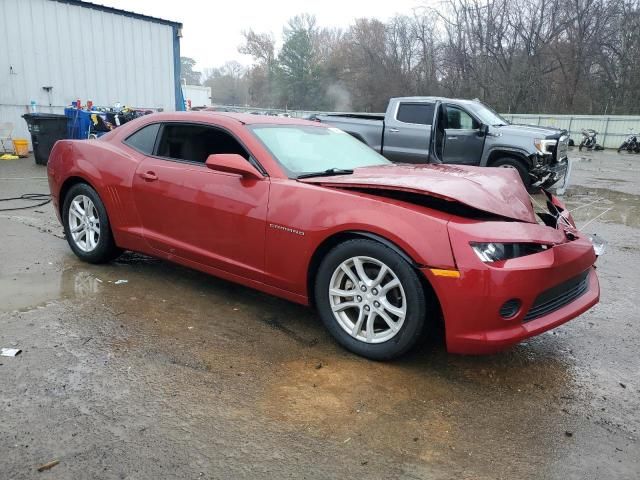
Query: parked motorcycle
590	140
630	144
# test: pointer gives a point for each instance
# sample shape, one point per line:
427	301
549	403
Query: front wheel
86	225
370	299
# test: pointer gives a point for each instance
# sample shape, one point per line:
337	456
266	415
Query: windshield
486	115
302	149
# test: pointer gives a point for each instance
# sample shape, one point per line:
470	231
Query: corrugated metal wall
83	53
612	129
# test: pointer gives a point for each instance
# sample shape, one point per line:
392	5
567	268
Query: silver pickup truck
467	132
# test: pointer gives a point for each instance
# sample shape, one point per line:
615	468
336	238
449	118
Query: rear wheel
86	225
370	299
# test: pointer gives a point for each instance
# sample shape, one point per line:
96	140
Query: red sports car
308	213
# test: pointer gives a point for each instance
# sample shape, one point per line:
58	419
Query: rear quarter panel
109	169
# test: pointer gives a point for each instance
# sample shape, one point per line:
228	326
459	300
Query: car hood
531	130
498	191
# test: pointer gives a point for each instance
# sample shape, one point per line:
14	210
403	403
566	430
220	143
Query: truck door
407	132
463	138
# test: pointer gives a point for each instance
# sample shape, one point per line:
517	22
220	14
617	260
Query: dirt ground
175	374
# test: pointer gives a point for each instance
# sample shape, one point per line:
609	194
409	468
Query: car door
206	216
463	137
407	132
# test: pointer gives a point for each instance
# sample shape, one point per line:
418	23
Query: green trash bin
45	129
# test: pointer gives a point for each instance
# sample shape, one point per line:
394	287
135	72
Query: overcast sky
212	30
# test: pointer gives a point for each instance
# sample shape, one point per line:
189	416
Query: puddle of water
587	203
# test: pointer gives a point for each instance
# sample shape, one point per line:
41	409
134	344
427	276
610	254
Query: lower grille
558	296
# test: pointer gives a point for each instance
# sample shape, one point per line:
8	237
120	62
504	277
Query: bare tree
577	56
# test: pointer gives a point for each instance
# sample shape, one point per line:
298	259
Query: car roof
436	99
243	118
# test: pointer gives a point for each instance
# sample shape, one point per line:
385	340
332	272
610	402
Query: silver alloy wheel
84	223
367	299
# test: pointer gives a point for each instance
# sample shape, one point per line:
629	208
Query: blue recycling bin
78	124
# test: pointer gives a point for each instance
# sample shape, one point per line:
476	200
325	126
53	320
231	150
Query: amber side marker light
438	272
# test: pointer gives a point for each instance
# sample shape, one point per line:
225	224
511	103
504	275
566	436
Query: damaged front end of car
517	279
521	267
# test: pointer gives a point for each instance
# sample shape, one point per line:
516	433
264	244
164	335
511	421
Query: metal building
54	52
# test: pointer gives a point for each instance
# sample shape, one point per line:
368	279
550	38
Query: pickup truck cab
465	132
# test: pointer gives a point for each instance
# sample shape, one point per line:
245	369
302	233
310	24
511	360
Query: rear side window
421	113
144	139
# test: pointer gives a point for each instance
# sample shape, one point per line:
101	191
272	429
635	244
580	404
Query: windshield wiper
327	173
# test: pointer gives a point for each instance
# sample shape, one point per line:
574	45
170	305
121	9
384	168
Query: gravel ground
175	374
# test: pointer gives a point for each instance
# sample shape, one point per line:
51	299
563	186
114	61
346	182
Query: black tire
105	249
417	308
523	171
624	146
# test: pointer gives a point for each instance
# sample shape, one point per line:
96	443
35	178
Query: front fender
303	217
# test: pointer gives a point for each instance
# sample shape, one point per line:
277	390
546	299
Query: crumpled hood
498	191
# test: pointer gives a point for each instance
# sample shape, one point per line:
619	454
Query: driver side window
458	119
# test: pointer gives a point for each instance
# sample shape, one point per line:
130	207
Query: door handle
149	176
393	130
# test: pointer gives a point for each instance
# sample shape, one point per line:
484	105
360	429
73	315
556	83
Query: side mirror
232	163
484	130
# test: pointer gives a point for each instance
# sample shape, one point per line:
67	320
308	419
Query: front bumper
550	174
471	303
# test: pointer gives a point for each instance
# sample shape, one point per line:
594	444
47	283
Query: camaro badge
286	229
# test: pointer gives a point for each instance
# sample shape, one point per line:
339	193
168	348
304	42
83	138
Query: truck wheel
508	162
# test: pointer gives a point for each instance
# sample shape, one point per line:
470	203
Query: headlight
544	146
495	252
